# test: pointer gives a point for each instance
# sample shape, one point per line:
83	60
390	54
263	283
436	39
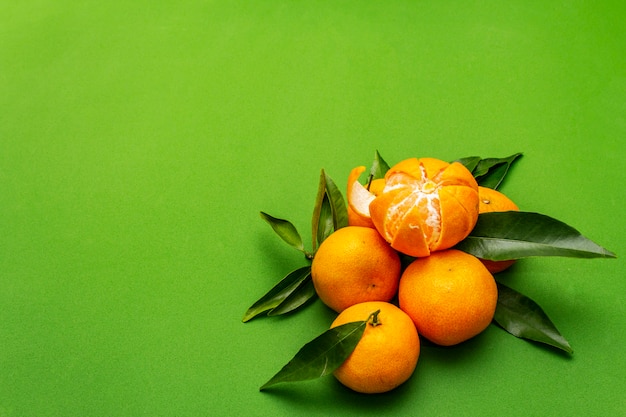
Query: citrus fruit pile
422	208
395	264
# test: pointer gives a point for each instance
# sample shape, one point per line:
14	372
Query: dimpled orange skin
355	264
491	200
450	296
427	205
386	355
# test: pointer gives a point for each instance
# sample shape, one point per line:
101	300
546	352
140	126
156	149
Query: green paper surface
140	139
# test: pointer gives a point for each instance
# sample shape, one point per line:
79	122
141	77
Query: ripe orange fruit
426	205
490	200
493	200
450	296
355	264
359	198
387	353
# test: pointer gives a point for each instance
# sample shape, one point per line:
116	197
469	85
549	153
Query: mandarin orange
386	355
426	205
450	296
355	264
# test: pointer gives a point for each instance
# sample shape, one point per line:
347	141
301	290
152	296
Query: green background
140	139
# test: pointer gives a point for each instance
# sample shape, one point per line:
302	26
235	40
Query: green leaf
285	230
490	172
303	293
317	212
379	167
523	318
280	293
337	203
325	222
322	355
506	235
322	223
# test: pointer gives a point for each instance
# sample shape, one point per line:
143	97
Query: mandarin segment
386	355
396	229
459	213
456	173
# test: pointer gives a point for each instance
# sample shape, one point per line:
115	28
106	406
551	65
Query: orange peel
359	198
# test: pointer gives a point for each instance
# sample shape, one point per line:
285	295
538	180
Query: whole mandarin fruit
386	355
450	296
355	264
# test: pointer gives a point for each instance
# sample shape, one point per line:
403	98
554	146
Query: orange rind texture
353	265
426	205
386	355
491	200
450	296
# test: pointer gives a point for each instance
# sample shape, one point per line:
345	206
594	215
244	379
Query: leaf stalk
373	318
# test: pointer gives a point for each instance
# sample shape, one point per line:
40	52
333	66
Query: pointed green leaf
298	297
329	213
281	291
469	162
322	355
486	164
317	212
322	224
379	167
285	230
337	203
523	318
490	172
325	221
516	234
